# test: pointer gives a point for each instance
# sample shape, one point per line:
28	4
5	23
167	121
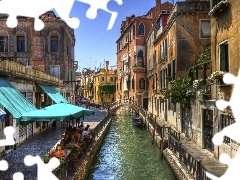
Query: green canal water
127	153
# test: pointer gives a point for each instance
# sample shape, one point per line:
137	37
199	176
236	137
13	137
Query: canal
127	153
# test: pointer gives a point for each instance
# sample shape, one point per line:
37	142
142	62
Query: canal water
127	153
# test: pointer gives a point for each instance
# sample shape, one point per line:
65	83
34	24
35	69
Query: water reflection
127	153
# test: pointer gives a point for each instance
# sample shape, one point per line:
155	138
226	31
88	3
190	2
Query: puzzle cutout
35	8
44	170
232	131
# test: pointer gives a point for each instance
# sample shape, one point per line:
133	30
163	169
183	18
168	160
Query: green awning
57	112
13	100
53	94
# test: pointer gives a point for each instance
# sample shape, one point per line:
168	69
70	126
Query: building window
55	70
111	79
205	31
215	2
226	122
142	83
54	43
141	29
174	69
102	78
223	57
133	84
20	44
3	43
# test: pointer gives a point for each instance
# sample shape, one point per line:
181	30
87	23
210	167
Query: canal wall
87	160
179	170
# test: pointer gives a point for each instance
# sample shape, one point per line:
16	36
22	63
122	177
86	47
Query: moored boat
137	121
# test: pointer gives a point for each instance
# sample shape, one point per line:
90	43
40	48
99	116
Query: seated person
85	134
66	139
59	151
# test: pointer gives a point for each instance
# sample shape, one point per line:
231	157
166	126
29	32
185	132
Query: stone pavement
40	145
211	163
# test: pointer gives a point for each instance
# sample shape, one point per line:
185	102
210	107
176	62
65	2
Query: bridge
113	107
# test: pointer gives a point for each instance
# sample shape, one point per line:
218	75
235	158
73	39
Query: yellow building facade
105	85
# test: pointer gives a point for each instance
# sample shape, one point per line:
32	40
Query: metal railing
191	164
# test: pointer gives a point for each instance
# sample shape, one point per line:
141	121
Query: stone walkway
211	163
40	145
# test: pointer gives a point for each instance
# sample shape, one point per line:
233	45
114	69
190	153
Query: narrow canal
127	153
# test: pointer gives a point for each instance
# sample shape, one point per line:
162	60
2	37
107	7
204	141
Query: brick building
131	55
50	50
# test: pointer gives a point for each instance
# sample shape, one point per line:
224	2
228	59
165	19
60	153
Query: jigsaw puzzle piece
3	165
28	8
9	133
44	170
18	176
63	8
232	172
100	4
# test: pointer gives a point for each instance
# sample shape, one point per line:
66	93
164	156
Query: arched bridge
113	107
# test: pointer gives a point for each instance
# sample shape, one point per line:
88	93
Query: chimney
158	2
107	63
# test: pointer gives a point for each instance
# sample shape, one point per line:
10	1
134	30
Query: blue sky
93	42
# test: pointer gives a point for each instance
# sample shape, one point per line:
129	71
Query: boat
137	121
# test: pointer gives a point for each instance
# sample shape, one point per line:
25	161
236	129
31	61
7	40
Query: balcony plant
107	89
178	92
217	75
219	8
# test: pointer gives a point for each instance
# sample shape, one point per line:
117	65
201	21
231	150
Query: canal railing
191	164
99	127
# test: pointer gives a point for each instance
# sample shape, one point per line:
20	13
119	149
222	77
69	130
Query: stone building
50	50
35	63
105	85
131	55
225	57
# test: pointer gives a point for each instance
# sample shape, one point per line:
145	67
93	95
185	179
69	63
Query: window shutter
25	43
49	43
222	58
58	44
15	43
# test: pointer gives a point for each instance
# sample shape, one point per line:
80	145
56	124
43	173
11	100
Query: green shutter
223	57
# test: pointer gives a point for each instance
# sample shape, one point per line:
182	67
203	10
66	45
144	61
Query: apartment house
152	64
105	85
225	57
178	43
50	55
131	56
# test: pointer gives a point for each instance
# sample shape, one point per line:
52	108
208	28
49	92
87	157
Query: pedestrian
54	124
77	122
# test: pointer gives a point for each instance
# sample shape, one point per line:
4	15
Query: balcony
219	8
18	70
159	31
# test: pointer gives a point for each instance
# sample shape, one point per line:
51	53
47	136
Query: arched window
3	41
20	42
141	29
53	42
142	83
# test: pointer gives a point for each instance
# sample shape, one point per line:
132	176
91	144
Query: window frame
200	34
227	62
7	37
